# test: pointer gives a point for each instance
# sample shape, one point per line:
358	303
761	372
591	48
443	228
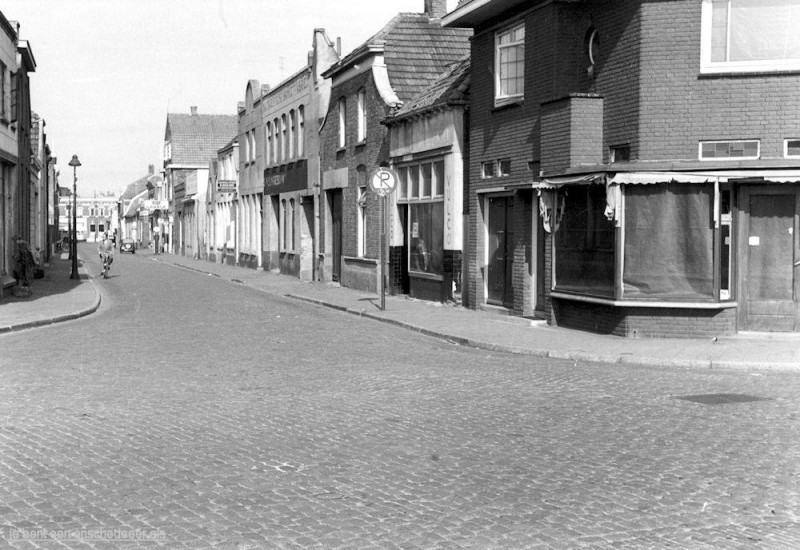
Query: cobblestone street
209	415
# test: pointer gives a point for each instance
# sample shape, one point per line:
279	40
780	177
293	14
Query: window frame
500	98
301	136
786	148
361	130
342	107
728	159
707	66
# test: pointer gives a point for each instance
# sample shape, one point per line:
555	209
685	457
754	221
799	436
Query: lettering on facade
226	186
448	212
285	93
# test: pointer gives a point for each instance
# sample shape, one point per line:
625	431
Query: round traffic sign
383	181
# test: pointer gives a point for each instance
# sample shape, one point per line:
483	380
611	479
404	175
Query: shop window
413	182
726	258
402	184
585	243
426	237
750	36
669	242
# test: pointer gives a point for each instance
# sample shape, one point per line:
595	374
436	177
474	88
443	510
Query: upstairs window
268	150
510	64
301	134
362	115
791	148
284	147
292	131
750	36
342	122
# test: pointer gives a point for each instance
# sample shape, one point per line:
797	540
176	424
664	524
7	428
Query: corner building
634	165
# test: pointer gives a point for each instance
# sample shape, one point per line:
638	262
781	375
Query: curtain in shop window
669	236
426	232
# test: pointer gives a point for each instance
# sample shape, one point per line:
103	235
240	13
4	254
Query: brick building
379	76
659	143
292	113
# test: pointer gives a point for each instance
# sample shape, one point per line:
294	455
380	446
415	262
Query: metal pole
383	253
74	248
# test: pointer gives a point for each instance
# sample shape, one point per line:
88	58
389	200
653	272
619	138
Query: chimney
151	169
436	9
193	110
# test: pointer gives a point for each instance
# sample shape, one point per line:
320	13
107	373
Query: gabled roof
416	50
450	88
134	188
195	138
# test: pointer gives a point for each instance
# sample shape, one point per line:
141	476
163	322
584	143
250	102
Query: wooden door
769	301
336	223
499	285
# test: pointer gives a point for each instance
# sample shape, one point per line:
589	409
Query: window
290	227
362	222
733	150
284	145
342	122
252	134
620	153
276	158
246	147
750	36
292	134
791	148
487	169
301	134
268	151
421	187
510	63
3	92
585	242
504	167
362	115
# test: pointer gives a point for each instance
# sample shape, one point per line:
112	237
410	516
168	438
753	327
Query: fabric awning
651	178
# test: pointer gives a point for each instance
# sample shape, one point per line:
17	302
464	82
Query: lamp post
74	245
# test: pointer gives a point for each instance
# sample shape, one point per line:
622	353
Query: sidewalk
54	298
474	328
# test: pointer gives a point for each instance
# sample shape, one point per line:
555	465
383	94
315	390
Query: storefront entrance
769	259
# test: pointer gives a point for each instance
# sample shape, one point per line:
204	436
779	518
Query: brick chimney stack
436	9
193	110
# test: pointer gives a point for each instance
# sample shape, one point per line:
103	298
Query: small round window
593	45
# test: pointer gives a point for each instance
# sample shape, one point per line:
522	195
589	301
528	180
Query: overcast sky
108	71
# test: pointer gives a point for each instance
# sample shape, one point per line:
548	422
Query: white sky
108	71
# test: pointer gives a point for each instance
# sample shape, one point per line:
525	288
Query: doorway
768	251
500	251
336	234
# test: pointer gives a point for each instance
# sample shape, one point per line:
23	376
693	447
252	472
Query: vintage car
127	245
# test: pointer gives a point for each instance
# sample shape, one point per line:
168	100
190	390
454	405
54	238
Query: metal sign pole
383	252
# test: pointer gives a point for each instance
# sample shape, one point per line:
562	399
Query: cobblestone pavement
208	415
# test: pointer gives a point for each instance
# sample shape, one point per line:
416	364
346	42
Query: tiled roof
451	86
196	138
416	50
134	188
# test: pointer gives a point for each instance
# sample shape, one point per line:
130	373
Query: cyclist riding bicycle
106	249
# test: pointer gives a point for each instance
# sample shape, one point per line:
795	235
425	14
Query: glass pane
426	180
669	242
438	178
764	30
719	31
585	243
426	237
402	187
413	182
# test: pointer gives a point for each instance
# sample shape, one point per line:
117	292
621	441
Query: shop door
769	252
500	252
336	219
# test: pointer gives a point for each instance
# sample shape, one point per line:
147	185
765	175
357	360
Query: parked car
127	245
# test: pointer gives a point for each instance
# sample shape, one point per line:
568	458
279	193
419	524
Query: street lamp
74	246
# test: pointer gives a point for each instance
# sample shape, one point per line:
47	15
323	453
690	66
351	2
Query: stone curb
693	364
60	318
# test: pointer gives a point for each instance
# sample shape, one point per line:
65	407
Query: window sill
359	259
341	150
423	275
507	103
361	143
